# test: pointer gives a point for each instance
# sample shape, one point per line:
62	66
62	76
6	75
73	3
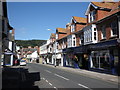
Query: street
40	76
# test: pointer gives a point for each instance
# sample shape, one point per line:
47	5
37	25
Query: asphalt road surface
41	77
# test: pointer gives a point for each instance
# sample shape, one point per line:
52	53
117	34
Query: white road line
46	80
43	78
54	87
84	86
48	71
61	76
50	84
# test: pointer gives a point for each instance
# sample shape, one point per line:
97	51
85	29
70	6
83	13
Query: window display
100	59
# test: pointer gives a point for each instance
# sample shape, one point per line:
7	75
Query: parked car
23	63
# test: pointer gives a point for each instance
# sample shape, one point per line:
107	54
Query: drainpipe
118	16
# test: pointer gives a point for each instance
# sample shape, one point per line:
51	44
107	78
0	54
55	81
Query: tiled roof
80	19
107	5
114	10
52	35
62	30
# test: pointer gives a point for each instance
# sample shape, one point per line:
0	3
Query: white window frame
91	16
72	27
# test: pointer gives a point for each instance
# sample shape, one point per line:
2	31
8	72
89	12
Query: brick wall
100	14
107	24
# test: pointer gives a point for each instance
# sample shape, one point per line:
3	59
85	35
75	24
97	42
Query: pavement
103	76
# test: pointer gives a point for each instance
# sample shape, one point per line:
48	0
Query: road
42	76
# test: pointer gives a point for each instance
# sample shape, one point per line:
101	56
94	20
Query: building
43	53
7	42
90	43
104	52
73	53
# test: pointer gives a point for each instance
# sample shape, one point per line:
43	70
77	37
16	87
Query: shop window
101	59
95	60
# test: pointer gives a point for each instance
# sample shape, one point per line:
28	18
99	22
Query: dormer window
56	36
72	27
92	16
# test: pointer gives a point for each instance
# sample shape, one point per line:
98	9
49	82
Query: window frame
114	27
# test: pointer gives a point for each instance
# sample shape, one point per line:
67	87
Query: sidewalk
97	75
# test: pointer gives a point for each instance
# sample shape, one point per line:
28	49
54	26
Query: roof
114	10
80	19
107	5
52	35
101	5
62	30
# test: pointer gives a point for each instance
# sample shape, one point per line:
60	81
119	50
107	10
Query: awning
81	49
68	50
104	45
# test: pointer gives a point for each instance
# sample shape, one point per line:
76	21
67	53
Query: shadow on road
19	78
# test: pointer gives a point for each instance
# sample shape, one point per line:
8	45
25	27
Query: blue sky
32	19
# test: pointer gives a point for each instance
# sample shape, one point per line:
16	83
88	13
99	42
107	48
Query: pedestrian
16	62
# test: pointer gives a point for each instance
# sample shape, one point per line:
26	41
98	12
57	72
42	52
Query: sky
31	20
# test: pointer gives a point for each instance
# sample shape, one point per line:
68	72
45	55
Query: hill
26	43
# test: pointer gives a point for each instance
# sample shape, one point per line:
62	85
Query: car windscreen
22	61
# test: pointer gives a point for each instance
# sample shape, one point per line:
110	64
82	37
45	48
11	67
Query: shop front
104	57
68	57
81	56
76	57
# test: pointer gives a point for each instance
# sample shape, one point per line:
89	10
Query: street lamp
54	48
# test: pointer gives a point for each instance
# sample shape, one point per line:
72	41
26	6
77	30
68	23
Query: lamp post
55	50
55	47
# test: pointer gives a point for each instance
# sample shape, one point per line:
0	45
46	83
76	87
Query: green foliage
26	43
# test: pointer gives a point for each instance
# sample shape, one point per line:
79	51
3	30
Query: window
74	41
92	16
100	59
103	30
95	36
114	28
72	27
56	36
81	39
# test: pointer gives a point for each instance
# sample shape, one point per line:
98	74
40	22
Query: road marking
48	71
23	76
50	84
54	87
84	86
61	76
46	80
43	78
